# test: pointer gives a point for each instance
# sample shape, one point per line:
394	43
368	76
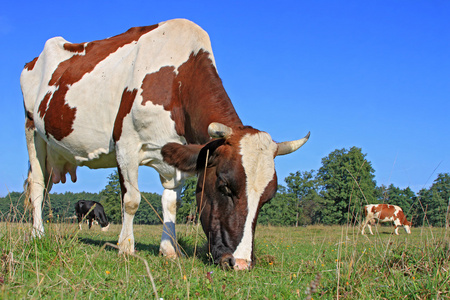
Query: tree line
334	194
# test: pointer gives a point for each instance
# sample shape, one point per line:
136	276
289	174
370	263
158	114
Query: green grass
316	262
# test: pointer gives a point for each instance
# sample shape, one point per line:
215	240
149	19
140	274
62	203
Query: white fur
257	152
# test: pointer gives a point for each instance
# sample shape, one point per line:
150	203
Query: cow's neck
204	99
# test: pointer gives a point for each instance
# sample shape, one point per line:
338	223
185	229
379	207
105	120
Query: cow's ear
182	157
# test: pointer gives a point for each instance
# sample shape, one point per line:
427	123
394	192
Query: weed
317	262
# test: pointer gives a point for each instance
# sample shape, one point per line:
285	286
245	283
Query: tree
400	197
311	208
436	199
12	208
150	209
112	199
347	182
188	205
279	211
301	185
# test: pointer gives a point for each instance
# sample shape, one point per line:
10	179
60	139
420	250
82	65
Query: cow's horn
218	130
289	147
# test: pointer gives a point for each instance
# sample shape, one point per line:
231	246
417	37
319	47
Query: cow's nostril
242	264
227	261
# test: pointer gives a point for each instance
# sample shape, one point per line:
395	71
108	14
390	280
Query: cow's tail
364	208
27	190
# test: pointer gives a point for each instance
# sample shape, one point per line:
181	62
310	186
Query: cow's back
73	92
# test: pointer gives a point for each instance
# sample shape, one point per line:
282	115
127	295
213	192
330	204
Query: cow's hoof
126	247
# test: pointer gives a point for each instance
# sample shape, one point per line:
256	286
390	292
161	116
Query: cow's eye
225	190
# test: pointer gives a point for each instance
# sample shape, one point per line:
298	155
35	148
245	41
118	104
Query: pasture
315	262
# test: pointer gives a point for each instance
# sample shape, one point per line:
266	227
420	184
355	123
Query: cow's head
407	226
105	228
236	176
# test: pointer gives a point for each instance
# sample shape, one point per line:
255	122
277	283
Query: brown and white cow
385	213
150	96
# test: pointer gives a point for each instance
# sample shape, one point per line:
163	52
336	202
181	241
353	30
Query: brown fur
195	97
125	107
30	66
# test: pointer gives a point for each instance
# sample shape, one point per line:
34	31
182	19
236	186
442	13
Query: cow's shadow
187	249
151	248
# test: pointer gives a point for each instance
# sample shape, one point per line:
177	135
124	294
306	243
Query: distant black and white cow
150	96
385	213
91	210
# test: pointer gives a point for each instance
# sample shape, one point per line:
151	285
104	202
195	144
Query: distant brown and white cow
150	96
385	213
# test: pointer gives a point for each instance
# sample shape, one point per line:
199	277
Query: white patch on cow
257	152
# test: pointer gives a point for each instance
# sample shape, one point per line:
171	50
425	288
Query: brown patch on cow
30	66
43	105
77	48
195	97
374	209
401	216
59	116
125	107
386	211
157	87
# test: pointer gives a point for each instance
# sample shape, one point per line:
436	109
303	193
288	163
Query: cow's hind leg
38	177
128	168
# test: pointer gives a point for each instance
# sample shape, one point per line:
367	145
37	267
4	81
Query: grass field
315	262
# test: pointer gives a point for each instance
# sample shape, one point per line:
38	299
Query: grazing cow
93	211
150	96
385	213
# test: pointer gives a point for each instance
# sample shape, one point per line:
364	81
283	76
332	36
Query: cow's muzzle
227	261
105	228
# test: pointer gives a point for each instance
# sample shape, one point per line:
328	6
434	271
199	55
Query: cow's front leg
169	246
396	230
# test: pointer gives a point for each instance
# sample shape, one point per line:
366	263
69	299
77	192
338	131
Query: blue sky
371	74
